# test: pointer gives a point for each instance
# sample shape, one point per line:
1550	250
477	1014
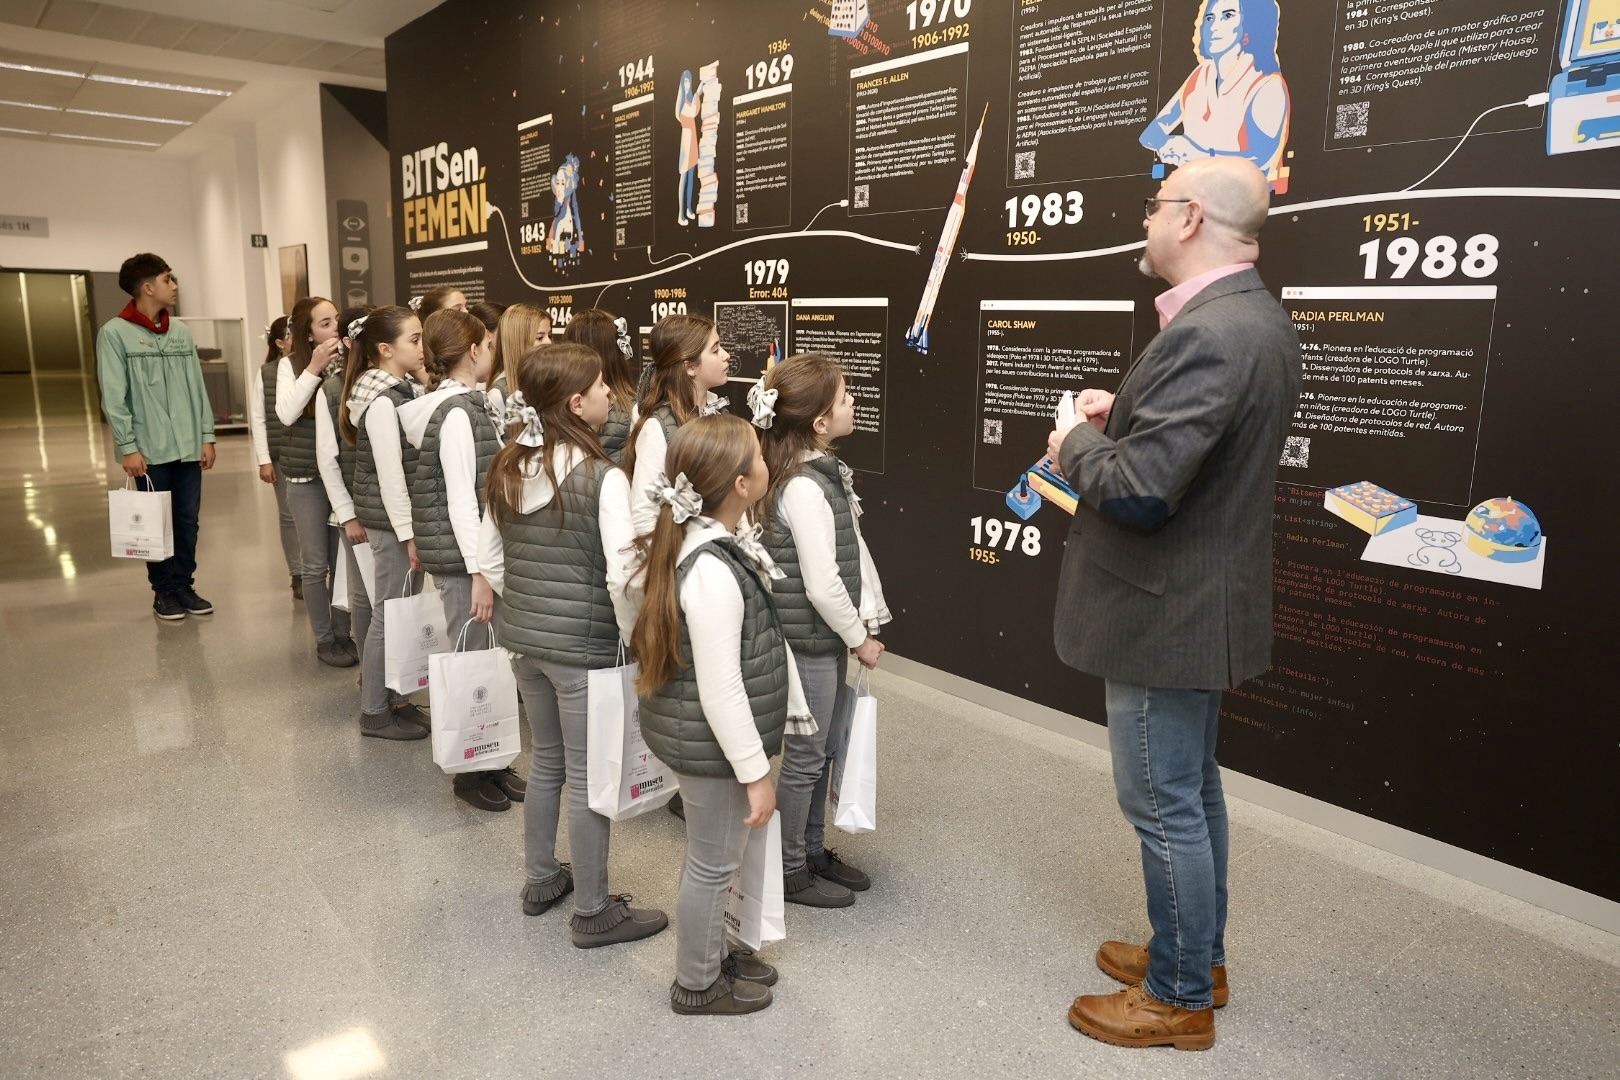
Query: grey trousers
715	840
317	553
455	590
393	569
289	530
554	697
359	602
801	793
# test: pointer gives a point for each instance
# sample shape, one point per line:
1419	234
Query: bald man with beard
1165	590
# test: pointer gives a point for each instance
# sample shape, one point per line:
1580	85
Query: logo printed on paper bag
427	632
481	694
135	518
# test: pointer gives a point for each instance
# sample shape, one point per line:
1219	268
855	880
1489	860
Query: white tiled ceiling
114	22
51	98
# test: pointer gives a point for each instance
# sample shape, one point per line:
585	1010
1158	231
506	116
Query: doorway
47	346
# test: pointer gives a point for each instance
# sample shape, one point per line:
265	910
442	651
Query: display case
222	348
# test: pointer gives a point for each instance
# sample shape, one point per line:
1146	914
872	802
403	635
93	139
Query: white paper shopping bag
756	914
853	784
366	561
340	576
473	700
141	522
413	630
623	777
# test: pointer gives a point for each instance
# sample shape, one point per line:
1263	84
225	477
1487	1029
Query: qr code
1296	451
1350	121
618	236
863	196
1024	165
742	213
523	210
992	432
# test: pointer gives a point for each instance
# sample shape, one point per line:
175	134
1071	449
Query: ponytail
272	334
384	324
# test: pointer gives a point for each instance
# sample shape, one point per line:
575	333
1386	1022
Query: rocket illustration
917	336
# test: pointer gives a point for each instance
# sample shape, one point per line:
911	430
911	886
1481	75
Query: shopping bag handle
129	482
461	638
863	673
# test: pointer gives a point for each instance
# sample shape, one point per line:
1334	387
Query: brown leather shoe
1132	1018
1129	963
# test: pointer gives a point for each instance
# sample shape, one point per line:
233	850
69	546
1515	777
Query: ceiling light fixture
19	131
37	70
98	138
31	105
148	84
125	116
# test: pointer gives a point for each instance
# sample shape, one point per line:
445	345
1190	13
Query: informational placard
853	331
1393	388
633	172
908	130
754	332
1033	351
534	182
762	175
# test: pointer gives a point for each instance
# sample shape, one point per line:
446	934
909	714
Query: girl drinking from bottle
718	688
830	602
380	381
556	544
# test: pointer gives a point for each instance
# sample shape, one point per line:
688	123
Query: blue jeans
183	481
1169	787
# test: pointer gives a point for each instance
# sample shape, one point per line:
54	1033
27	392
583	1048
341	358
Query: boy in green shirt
162	425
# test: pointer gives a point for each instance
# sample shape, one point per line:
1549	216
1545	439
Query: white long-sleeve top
651	449
810	519
382	429
712	604
261	438
292	394
458	459
612	519
326	458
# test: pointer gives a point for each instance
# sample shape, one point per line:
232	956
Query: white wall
104	205
217	210
292	188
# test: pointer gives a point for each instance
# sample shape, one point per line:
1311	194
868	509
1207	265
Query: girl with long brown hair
380	381
556	543
610	338
718	688
830	601
265	430
522	327
688	364
438	298
334	457
455	439
316	348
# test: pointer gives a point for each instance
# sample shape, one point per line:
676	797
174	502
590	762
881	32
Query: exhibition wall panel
946	195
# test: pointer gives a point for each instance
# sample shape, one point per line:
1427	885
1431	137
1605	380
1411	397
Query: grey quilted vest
806	630
272	424
555	604
436	543
672	719
331	392
367	491
298	458
615	434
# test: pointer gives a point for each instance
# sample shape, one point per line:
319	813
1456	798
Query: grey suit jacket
1166	576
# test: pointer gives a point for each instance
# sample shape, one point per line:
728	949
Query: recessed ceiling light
98	138
37	70
31	105
148	84
125	116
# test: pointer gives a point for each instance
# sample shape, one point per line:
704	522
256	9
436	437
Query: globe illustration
1504	530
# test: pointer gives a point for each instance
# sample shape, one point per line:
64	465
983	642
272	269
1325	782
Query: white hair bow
519	411
847	475
763	402
751	542
415	303
679	495
623	328
355	326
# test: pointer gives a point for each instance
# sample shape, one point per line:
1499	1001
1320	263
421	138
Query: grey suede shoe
805	886
742	964
332	654
723	998
387	726
827	864
616	924
539	899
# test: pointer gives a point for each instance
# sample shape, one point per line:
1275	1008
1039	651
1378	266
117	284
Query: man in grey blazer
1166	583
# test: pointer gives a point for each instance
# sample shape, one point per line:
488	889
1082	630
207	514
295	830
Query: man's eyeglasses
1151	206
